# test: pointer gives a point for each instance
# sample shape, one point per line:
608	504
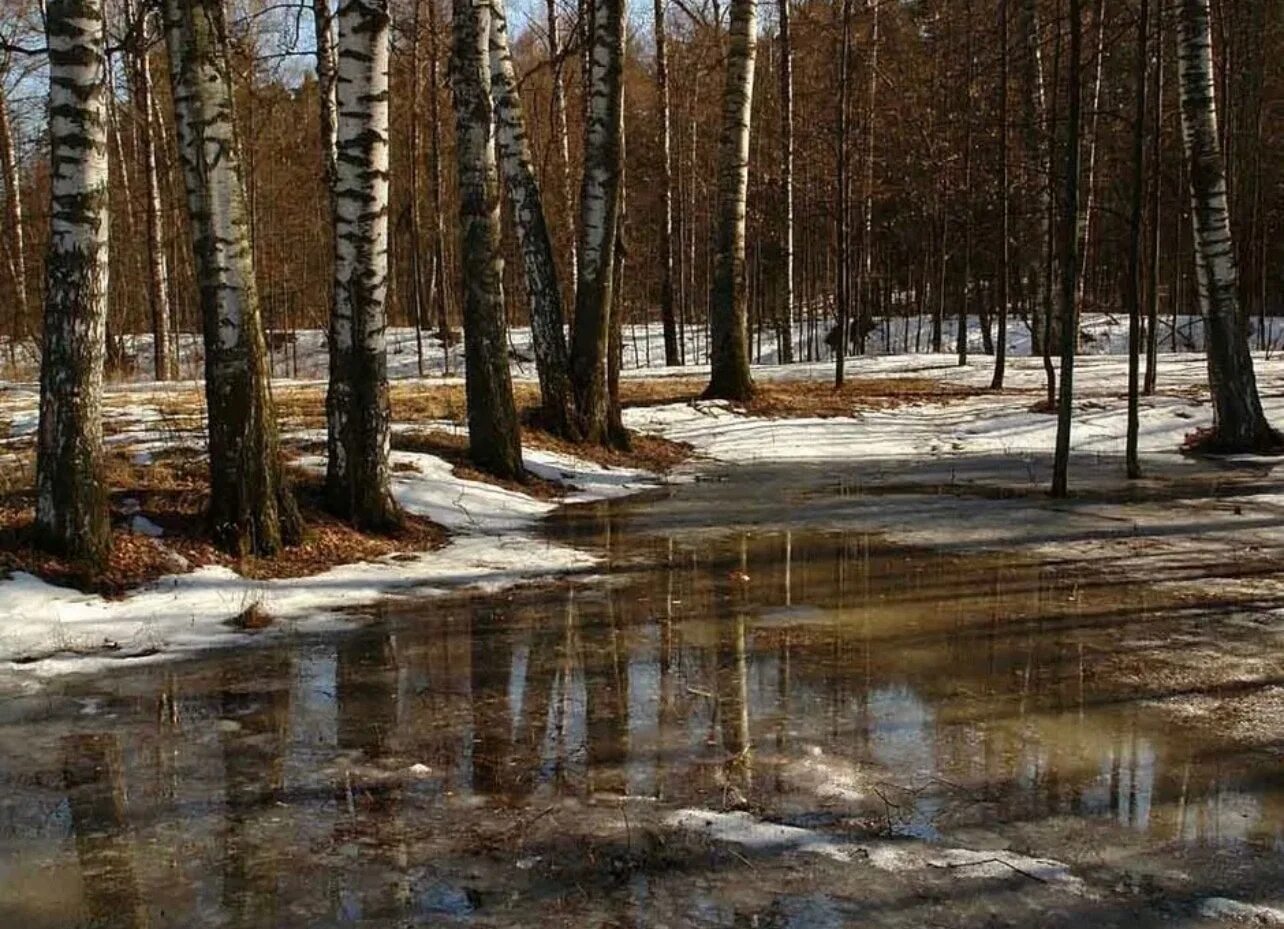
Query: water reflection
352	781
93	777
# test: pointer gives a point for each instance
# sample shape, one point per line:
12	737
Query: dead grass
173	493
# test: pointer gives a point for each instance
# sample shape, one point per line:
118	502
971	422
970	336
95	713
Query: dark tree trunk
1069	256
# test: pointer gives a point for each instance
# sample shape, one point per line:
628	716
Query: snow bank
47	630
303	355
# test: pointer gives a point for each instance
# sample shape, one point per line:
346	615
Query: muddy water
513	760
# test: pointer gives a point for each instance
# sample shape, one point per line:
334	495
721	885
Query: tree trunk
1033	129
562	148
1005	194
252	510
842	282
729	378
338	399
494	436
548	335
1156	206
361	264
785	311
13	221
1069	258
1134	289
439	292
71	492
599	216
866	290
1239	422
1089	186
667	315
163	362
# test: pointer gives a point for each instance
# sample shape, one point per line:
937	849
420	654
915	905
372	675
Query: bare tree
252	510
785	311
668	318
361	265
1239	422
71	495
493	432
595	294
729	338
548	335
1069	258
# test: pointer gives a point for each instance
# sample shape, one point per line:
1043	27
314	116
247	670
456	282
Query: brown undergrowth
171	492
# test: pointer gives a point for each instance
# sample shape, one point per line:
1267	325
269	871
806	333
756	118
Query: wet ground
861	734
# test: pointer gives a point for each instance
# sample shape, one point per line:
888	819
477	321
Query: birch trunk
1033	121
164	366
1135	288
338	399
785	310
71	495
842	290
1005	193
252	510
493	432
13	220
1156	207
599	215
729	348
547	319
668	316
1239	422
1069	259
562	146
361	263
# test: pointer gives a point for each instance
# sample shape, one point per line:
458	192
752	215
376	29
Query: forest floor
921	448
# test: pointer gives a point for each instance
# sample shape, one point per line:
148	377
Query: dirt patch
171	494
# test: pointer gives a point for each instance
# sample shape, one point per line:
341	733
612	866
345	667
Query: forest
792	463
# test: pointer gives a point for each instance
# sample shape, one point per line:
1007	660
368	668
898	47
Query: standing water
858	733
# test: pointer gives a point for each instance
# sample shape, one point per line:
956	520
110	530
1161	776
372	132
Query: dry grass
173	493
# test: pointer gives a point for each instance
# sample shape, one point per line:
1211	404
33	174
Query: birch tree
1069	257
529	219
1134	286
729	339
1033	120
668	316
164	366
493	433
252	510
1239	423
599	215
13	212
359	319
71	496
785	311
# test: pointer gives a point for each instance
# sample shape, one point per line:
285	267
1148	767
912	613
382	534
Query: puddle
502	760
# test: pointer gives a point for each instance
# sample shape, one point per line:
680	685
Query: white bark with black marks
530	220
251	509
361	266
728	311
1239	424
494	435
599	215
71	495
